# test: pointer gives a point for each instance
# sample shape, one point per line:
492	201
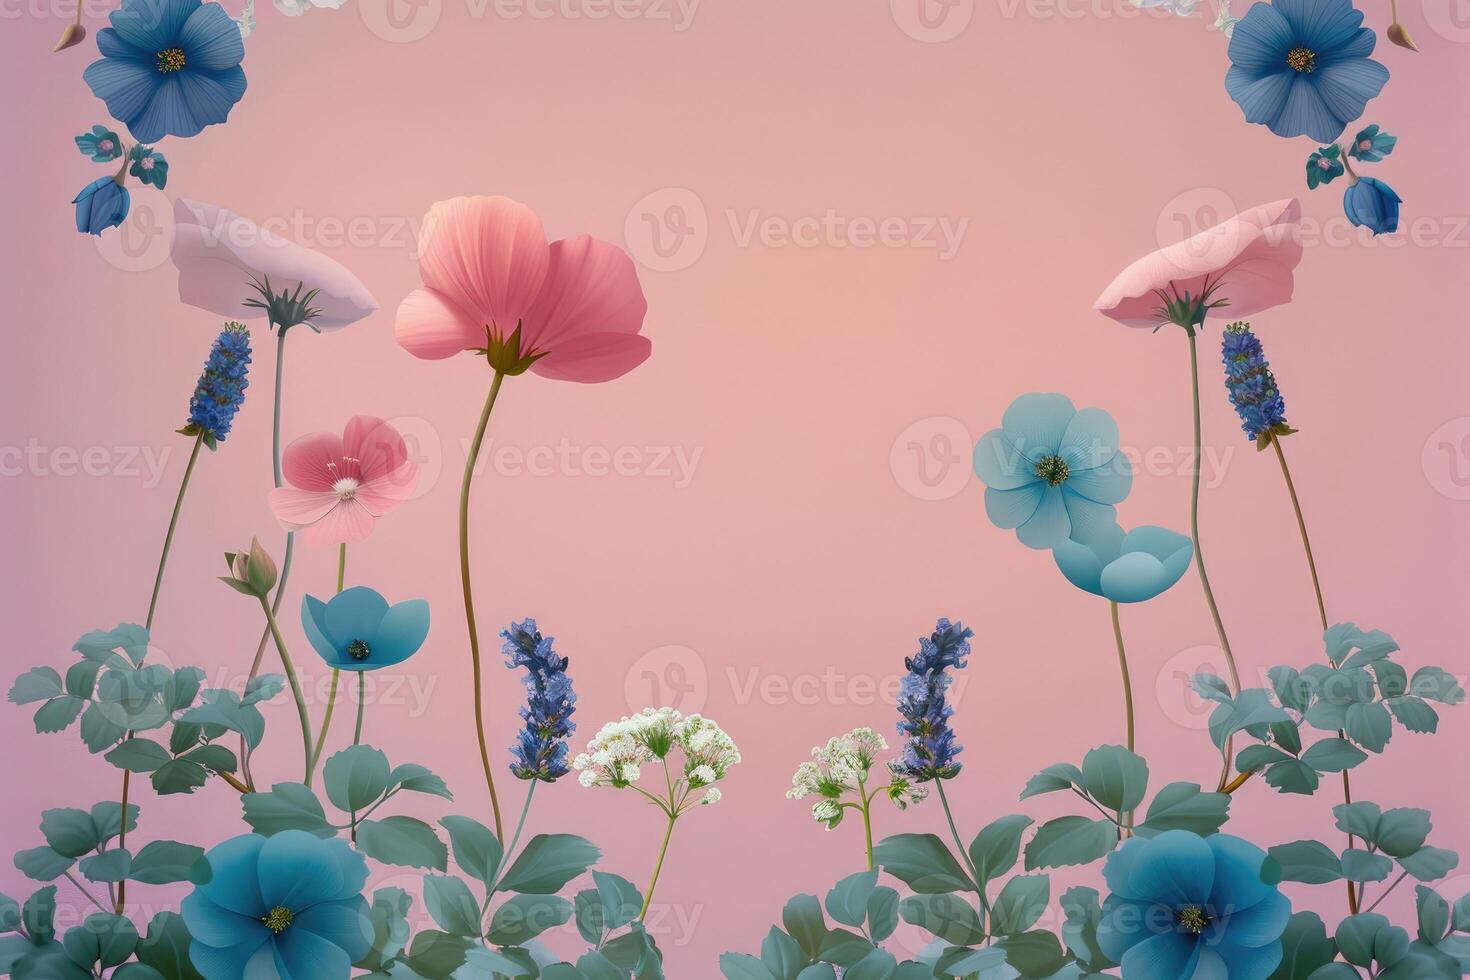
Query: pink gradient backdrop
803	554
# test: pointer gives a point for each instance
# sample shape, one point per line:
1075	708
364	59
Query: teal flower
358	630
1372	145
102	204
1189	906
1372	204
101	144
288	906
1324	166
149	166
1052	472
1131	567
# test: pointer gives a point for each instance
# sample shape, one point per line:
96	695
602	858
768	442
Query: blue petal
1000	465
1126	923
355	615
299	870
401	633
1162	543
1012	508
126	86
210	39
1119	866
1049	526
1306	113
1106	484
1260	41
1088	521
1163	956
166	114
314	622
1090	440
1036	422
1261	924
219	927
1360	45
1238	883
112	45
1347	86
229	962
1210	966
1245	963
1135	577
211	95
1320	25
152	25
1261	98
346	924
304	955
1080	565
1178	869
234	883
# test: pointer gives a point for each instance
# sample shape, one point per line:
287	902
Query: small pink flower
146	163
338	485
489	272
105	146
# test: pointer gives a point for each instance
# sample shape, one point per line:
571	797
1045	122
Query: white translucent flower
827	812
837	767
1224	21
711	795
295	8
1180	8
702	776
705	745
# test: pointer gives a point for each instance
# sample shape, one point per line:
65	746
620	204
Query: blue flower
541	747
168	67
101	144
1052	472
285	906
1252	386
930	750
102	204
1130	567
1372	145
221	388
149	166
358	630
1301	67
1189	906
1373	204
1324	166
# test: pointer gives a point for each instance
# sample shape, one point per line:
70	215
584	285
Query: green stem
1199	555
955	833
658	866
173	523
321	736
357	730
1126	819
867	823
1301	526
469	599
275	631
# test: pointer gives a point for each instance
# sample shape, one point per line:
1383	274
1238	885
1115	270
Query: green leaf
1359	819
404	841
1333	755
139	755
803	920
418	779
621	901
844	948
1402	831
1249	708
1307	861
743	966
781	956
1070	840
1357	936
81	678
1434	914
36	684
1429	863
38	914
589	916
69	831
1082	914
136	971
547	863
847	901
166	948
178	776
1115	777
948	917
1305	947
42	863
1020	905
288	806
111	865
476	850
965	962
1413	713
1361	865
995	850
923	863
101	645
1434	684
356	777
1293	776
434	955
882	913
57	714
1291	690
102	938
1053	778
1258	757
817	971
1211	688
1034	954
99	731
1370	725
595	966
107	819
1182	806
879	964
162	862
215	758
451	905
524	917
263	688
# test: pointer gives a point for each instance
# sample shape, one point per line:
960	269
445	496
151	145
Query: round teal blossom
541	746
1251	384
149	166
221	388
1324	166
102	204
1184	906
357	629
101	144
288	906
1372	204
1052	472
1131	567
1372	145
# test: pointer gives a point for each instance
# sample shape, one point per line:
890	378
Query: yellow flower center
1302	60
277	919
1054	470
170	59
1193	919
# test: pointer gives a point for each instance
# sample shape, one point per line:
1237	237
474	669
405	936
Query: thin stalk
90	897
1199	555
469	598
357	730
658	866
1238	781
122	836
954	832
867	823
321	736
1125	819
1379	900
505	861
290	668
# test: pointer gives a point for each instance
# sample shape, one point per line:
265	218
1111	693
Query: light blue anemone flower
358	630
1132	567
1189	906
286	906
1052	472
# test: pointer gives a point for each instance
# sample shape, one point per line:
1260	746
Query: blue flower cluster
930	751
221	388
541	747
1252	386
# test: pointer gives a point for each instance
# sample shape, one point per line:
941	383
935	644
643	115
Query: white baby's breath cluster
619	751
842	766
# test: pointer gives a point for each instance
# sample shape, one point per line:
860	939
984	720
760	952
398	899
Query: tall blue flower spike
930	750
1252	386
540	751
221	388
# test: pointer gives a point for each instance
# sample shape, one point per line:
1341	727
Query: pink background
814	541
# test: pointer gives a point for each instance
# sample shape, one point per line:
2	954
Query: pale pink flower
221	255
1244	265
488	272
338	485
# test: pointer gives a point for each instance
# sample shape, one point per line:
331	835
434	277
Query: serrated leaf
36	684
1305	947
69	831
1069	841
1414	714
109	866
923	863
356	777
1361	865
1308	861
524	917
288	806
1370	725
178	776
403	841
1293	776
1333	755
42	863
139	755
547	863
162	862
57	714
1183	806
418	779
1430	863
947	917
1435	684
1062	775
847	901
476	850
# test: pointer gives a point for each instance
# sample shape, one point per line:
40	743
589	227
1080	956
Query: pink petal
1252	255
218	253
431	327
595	357
348	521
487	255
296	509
313	462
381	495
375	445
591	288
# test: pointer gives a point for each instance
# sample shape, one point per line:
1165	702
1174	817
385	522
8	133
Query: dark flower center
1193	919
1302	60
170	59
1053	469
359	650
277	919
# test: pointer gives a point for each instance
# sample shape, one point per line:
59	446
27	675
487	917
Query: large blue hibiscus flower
168	67
1184	907
1301	67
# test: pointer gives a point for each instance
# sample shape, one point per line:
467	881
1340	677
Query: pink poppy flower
338	485
1244	263
571	309
220	256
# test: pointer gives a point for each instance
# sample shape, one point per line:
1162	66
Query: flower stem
657	867
357	730
321	737
1123	668
275	632
867	822
1199	555
122	836
469	599
954	832
173	524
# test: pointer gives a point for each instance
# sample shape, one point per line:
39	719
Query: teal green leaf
1434	684
588	914
111	865
166	947
1257	757
1183	806
1081	916
81	678
879	964
1361	865
524	917
965	962
1308	861
1433	912
1305	947
1053	778
1402	831
42	863
99	731
1019	906
178	776
1070	840
1293	776
1211	687
356	777
262	688
38	914
404	841
923	863
476	850
997	847
215	758
102	938
36	684
107	819
781	956
57	714
1413	713
1249	708
847	901
1333	755
595	966
1115	777
139	755
547	863
489	962
948	917
434	955
817	971
1429	863
136	971
162	862
288	806
418	779
803	920
1359	819
620	899
743	966
1370	725
1034	954
843	948
882	913
69	831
